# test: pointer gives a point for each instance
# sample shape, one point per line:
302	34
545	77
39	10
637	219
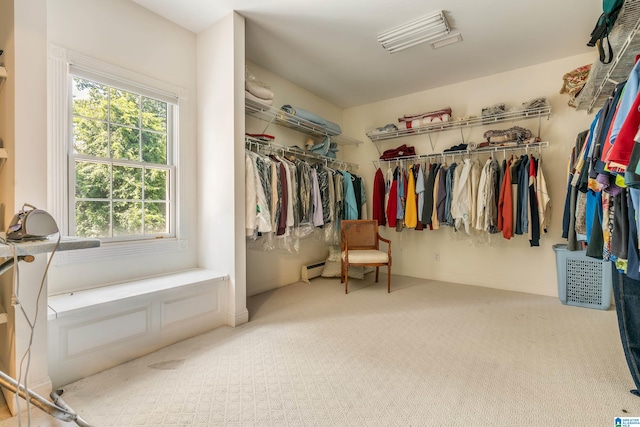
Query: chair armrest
387	241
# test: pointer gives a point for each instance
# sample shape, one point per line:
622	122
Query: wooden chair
360	247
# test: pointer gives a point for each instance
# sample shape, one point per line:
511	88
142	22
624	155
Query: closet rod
463	152
298	152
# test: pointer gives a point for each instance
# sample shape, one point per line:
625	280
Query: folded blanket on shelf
325	148
516	133
505	144
434	115
424	121
330	127
383	129
401	151
333	149
459	147
261	136
252	97
494	110
535	103
485	144
476	145
321	148
257	89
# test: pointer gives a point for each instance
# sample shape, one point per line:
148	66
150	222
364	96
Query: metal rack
510	116
25	251
491	149
604	77
282	118
328	161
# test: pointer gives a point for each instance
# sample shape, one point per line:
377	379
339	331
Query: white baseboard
237	319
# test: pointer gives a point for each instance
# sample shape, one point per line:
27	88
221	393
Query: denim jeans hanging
626	292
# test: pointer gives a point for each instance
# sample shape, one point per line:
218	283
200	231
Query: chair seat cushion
366	256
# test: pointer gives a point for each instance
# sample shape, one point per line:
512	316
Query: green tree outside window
120	147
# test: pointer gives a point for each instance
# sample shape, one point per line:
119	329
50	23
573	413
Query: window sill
121	249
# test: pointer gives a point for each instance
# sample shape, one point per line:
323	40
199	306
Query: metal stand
58	409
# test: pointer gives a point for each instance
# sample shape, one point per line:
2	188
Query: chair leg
377	269
346	278
341	271
388	278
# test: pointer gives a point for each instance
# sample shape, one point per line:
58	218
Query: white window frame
60	201
169	166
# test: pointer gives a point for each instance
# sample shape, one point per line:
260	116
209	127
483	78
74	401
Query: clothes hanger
326	165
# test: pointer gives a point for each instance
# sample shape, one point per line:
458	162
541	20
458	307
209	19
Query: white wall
221	157
272	269
141	43
23	129
7	132
123	34
502	264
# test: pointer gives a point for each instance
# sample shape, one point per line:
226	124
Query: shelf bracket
269	123
433	147
539	125
378	148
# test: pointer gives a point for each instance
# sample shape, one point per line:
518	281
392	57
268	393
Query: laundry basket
582	281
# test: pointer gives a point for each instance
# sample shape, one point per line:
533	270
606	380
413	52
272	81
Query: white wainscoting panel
186	307
89	333
116	328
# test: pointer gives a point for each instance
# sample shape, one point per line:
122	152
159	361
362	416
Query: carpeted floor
428	354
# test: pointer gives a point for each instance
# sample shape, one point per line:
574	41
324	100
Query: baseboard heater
310	271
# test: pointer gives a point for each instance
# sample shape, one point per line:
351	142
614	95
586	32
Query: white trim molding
59	122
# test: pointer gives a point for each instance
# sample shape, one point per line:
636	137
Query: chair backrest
360	233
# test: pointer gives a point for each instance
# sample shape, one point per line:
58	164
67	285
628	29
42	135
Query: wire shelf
282	118
339	164
510	116
483	150
604	77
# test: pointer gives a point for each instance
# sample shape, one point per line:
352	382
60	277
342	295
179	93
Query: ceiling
330	47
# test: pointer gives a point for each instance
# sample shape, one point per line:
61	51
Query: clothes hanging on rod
490	149
290	198
470	198
378	201
411	203
255	141
602	201
460	205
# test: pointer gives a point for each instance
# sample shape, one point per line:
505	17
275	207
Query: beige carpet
428	354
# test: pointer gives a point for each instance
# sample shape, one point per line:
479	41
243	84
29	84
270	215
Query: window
118	162
122	173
